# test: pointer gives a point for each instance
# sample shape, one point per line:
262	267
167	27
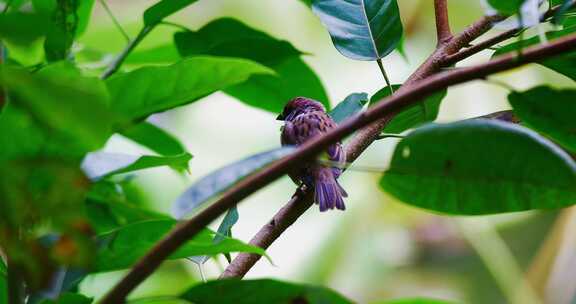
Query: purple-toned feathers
304	119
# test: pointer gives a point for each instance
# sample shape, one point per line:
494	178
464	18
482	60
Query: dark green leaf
564	64
508	7
69	298
361	29
549	111
154	138
3	283
413	116
480	167
22	28
260	291
63	27
164	8
98	165
62	99
349	106
137	94
125	246
221	179
232	38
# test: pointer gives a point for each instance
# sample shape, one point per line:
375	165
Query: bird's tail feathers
327	191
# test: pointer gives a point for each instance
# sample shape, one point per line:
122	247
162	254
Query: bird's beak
280	117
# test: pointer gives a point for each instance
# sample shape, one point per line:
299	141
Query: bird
305	119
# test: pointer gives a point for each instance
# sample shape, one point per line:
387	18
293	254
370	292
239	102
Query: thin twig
402	99
443	32
383	71
114	20
486	44
176	25
115	65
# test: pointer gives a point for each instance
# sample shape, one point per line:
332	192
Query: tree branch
402	99
443	32
467	52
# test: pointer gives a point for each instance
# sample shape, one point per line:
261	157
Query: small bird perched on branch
304	119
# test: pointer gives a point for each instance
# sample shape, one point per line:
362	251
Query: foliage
71	209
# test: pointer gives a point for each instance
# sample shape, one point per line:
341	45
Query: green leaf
3	283
224	230
231	38
564	64
233	291
63	100
413	116
480	167
164	8
222	179
549	111
22	28
98	165
63	28
154	138
137	94
69	298
415	301
361	29
351	105
508	7
125	246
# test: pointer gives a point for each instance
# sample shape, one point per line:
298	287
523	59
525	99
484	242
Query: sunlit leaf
221	179
127	245
154	138
361	29
480	167
413	116
69	298
98	165
415	301
260	291
549	111
232	38
62	99
138	94
351	105
164	8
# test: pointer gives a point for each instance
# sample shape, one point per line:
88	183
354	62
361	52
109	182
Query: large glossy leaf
413	116
549	111
138	94
164	8
232	38
564	64
64	101
260	291
221	179
480	167
351	105
361	29
154	138
125	246
98	165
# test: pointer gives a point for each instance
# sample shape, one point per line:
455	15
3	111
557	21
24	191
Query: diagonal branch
443	32
402	99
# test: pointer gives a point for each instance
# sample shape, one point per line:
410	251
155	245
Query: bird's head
298	105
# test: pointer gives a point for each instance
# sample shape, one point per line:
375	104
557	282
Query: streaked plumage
304	119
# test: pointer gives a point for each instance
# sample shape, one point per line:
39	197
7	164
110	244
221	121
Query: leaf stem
114	20
176	25
381	66
115	65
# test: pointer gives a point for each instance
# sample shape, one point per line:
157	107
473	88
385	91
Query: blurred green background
377	249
